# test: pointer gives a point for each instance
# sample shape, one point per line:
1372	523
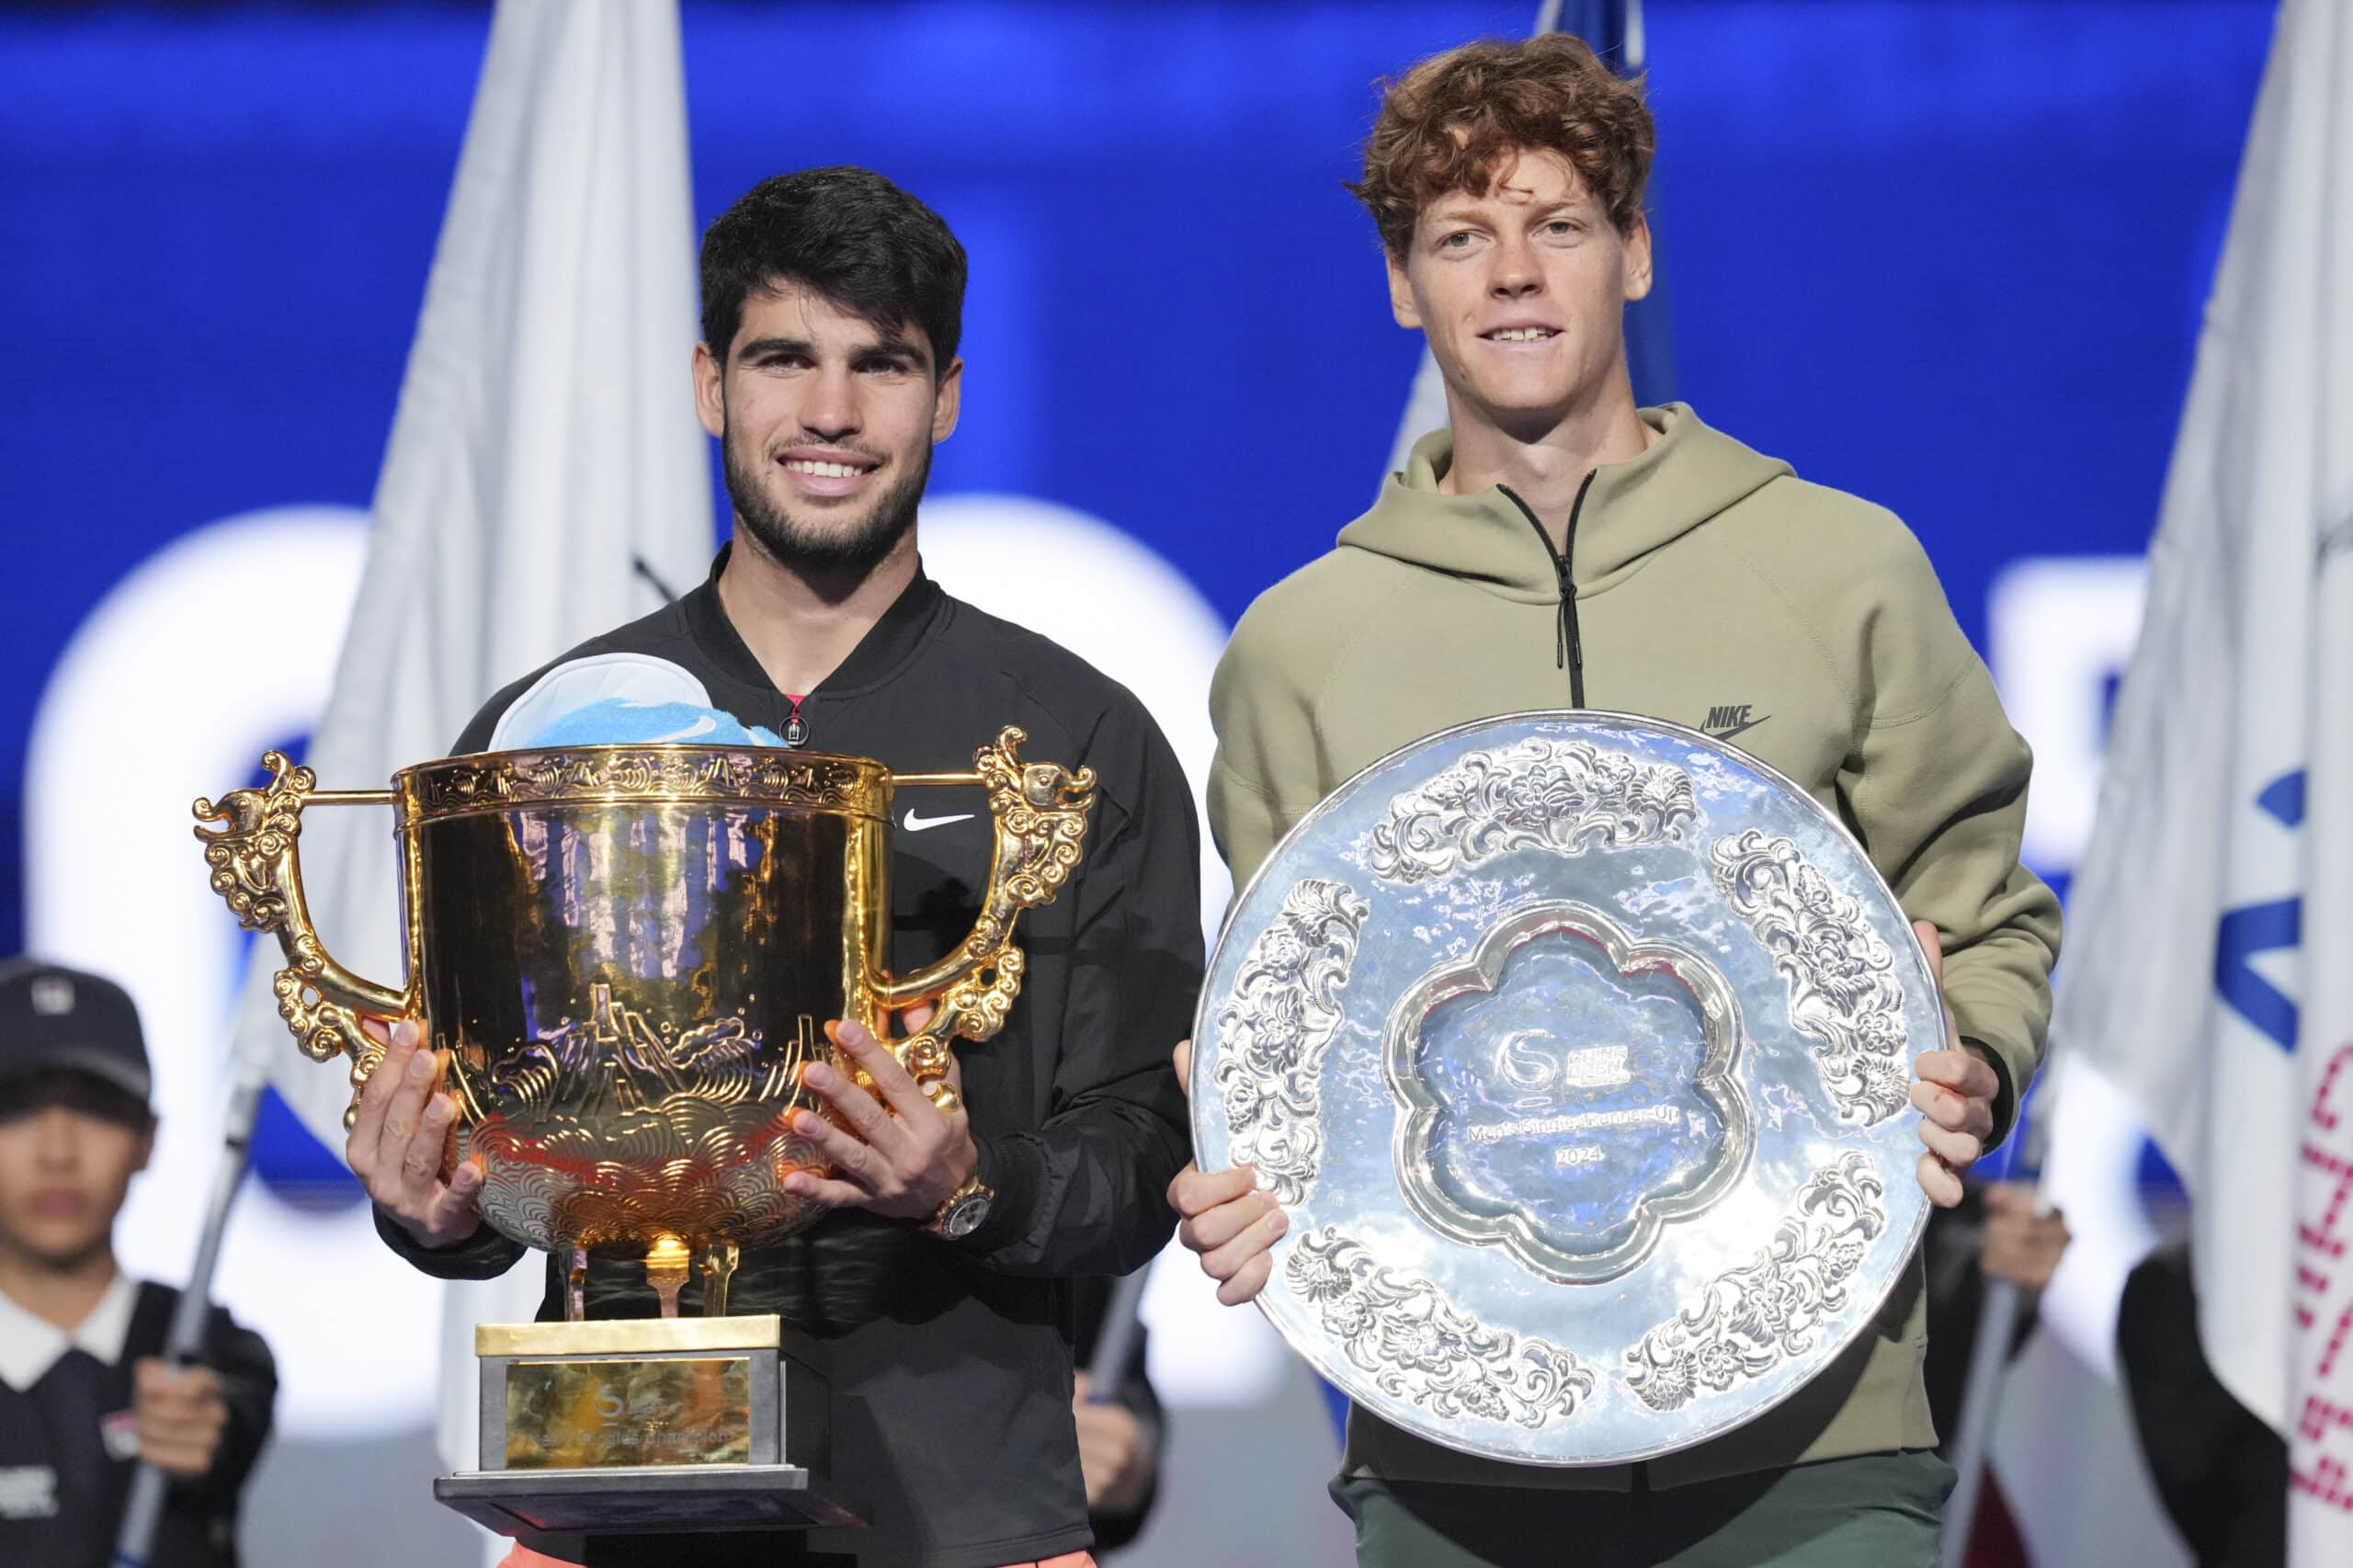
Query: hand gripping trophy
623	956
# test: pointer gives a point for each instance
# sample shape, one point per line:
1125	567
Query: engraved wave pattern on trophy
629	995
1536	793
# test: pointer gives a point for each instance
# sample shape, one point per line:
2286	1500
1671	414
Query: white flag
546	478
2210	952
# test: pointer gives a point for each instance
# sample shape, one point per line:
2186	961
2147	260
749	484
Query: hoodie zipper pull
1568	647
1572	653
1561	642
796	728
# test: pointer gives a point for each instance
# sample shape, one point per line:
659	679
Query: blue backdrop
1948	255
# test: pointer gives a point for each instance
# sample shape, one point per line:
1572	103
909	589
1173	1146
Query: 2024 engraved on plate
1575	1044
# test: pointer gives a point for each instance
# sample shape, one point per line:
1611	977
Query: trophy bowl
624	955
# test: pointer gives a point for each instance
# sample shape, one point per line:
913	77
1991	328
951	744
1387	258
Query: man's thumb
1933	945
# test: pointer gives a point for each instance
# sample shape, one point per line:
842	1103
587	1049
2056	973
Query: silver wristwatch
965	1209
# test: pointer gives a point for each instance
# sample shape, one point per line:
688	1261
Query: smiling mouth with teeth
825	469
1521	335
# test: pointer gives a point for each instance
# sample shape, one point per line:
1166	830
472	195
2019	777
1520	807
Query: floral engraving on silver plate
1755	1317
1534	794
1272	1032
1843	992
1420	1347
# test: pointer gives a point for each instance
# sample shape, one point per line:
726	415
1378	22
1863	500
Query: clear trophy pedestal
604	1442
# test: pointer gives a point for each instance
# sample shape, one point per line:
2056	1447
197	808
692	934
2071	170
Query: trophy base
622	1436
617	1516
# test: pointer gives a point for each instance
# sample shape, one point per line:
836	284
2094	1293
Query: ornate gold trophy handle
1041	813
256	867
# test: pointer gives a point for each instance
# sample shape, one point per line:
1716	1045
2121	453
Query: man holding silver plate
1612	810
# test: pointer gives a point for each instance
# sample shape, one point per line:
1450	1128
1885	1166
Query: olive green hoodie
1715	589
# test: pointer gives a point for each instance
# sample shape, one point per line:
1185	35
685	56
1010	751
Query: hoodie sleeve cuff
486	1254
2006	1097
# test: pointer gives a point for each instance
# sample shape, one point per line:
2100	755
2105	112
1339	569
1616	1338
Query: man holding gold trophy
663	907
1562	1076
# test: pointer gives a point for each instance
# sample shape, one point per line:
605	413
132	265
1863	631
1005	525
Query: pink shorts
524	1556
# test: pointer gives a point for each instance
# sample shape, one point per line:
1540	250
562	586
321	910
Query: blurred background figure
1119	1436
1994	1234
83	1393
2220	1473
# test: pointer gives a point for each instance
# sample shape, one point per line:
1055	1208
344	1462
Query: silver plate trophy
1578	1047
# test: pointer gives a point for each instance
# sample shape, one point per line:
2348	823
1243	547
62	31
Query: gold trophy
625	954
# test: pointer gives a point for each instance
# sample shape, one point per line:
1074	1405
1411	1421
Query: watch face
966	1217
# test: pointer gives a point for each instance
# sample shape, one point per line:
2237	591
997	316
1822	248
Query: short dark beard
844	557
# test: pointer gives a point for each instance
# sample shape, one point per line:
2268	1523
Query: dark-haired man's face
827	423
1522	293
68	1151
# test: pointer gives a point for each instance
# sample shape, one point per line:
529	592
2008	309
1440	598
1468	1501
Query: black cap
57	1020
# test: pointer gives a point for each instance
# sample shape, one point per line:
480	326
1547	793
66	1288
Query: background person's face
1522	293
64	1174
827	423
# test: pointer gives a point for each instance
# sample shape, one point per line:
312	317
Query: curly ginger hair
1455	120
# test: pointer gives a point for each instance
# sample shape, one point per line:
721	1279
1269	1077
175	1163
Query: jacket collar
882	652
29	1345
1688	475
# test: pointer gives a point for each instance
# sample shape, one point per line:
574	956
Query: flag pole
1989	1358
1123	1320
184	1342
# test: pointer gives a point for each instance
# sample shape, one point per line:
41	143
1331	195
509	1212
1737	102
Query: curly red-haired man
1556	546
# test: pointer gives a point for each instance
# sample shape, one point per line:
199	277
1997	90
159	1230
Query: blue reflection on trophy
1569	1092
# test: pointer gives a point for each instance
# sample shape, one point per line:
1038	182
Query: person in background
83	1393
2220	1469
1993	1233
1120	1439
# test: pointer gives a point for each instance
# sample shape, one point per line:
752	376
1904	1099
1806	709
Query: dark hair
1449	123
847	235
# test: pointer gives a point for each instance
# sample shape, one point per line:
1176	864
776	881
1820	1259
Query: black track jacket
951	1360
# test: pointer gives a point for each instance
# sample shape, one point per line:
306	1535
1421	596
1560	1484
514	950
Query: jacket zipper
1569	652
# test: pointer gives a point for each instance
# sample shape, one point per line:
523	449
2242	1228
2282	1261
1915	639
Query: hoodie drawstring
1568	649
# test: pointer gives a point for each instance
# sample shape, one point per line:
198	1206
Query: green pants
1870	1511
